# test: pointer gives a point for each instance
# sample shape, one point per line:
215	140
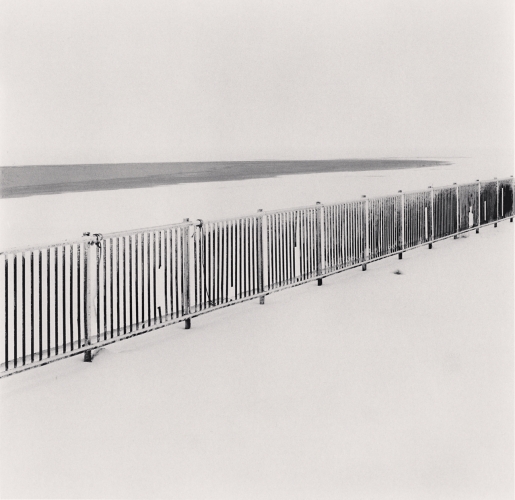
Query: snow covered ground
376	385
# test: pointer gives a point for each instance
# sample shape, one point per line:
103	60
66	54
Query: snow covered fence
74	297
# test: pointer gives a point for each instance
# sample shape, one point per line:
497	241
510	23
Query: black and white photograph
257	249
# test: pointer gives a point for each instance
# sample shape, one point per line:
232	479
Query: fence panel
505	198
226	255
344	231
468	205
444	207
417	218
140	280
293	246
384	226
44	303
488	202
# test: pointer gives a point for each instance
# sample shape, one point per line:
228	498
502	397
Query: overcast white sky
125	81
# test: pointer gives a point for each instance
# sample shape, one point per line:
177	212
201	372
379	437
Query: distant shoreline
17	182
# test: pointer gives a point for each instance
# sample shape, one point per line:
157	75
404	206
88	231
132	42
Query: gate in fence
73	297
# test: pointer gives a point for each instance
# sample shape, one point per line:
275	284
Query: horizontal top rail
85	239
258	214
130	232
293	209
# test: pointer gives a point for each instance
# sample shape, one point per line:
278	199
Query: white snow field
376	385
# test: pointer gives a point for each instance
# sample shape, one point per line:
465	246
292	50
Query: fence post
319	241
260	258
185	235
88	358
496	201
402	223
478	205
430	246
457	212
365	238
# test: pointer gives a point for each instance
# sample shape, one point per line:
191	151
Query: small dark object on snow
397	272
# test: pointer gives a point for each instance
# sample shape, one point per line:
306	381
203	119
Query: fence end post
88	298
260	257
319	243
402	224
478	205
430	245
186	262
496	201
365	236
457	211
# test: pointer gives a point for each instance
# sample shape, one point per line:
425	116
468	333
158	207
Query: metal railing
77	296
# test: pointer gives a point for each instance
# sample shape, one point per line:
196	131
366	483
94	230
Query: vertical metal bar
239	256
270	248
23	313
496	201
88	299
124	260
165	259
154	275
117	251
63	267
97	262
130	282
228	225
79	317
40	304
111	285
310	243
203	265
318	241
243	253
160	253
6	331
56	303
136	280
71	299
142	241
149	310
284	243
32	306
186	271
216	260
48	301
195	267
478	205
457	211
366	241
402	224
176	273
249	252
104	276
432	217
